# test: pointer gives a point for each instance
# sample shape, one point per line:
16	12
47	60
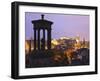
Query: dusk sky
64	25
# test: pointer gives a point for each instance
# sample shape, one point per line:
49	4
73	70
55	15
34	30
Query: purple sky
64	25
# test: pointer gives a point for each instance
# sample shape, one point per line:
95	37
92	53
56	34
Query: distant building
61	43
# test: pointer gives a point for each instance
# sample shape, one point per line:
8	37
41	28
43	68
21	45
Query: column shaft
49	39
39	39
34	39
44	39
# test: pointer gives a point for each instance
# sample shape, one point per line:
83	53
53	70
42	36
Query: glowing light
26	47
64	38
55	42
77	40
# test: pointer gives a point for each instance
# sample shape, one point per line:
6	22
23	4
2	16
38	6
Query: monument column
34	39
38	39
44	39
49	39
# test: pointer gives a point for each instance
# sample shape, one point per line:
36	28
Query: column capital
49	29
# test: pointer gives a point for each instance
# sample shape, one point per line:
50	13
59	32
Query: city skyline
64	25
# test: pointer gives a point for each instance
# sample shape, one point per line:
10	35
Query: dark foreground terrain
52	58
